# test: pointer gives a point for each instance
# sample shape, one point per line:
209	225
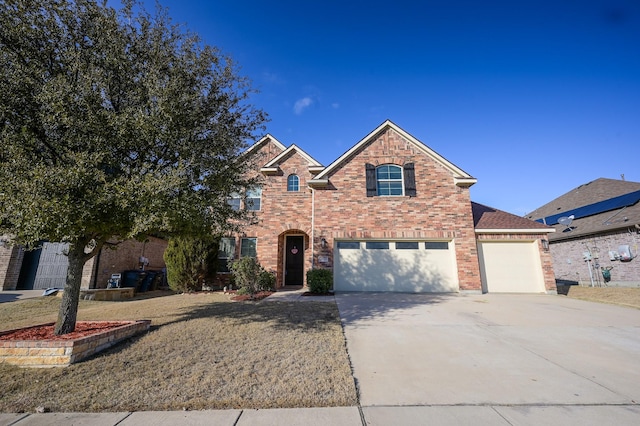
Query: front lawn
623	296
203	352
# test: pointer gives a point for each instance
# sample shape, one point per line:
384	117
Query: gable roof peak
461	177
272	166
266	138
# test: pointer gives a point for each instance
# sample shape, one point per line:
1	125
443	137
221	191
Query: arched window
389	180
293	183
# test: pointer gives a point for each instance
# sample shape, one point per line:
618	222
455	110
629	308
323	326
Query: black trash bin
133	279
145	284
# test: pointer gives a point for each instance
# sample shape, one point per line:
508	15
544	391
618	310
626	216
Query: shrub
242	291
250	276
319	280
267	281
190	261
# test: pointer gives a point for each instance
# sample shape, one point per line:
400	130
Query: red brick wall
124	257
440	210
10	262
281	213
570	265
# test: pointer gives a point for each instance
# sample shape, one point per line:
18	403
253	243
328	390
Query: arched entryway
292	257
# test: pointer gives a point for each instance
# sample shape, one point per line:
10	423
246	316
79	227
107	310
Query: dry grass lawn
624	296
203	352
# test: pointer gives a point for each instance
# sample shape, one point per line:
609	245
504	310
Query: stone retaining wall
61	353
108	294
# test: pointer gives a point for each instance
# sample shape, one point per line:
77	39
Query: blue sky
533	98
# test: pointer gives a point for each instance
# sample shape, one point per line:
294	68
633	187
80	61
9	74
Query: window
234	201
353	245
377	245
293	183
253	198
436	245
248	247
226	252
407	245
390	180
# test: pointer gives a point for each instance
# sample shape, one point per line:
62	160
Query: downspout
313	226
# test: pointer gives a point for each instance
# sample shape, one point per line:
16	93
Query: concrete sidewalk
350	416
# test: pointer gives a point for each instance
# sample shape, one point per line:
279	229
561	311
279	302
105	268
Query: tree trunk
68	312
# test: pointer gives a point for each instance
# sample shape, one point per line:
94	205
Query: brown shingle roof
593	192
485	217
598	190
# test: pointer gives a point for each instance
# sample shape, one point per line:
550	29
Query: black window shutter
370	170
409	180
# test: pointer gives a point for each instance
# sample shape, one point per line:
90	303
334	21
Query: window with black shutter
390	180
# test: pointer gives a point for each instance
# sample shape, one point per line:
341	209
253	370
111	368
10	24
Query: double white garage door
402	266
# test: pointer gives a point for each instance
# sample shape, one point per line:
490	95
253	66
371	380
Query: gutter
313	225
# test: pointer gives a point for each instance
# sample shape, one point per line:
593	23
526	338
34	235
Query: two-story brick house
388	215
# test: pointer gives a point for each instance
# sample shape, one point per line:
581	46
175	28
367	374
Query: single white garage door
510	267
402	266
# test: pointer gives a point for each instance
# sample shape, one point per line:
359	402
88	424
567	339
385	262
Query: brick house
597	228
390	214
47	266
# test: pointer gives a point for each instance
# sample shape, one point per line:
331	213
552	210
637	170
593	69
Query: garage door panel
510	267
395	270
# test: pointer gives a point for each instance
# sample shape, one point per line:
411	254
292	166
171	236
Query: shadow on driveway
358	307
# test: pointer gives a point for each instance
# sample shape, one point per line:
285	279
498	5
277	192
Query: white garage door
510	267
402	266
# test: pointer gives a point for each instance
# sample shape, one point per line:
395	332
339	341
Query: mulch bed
251	297
45	332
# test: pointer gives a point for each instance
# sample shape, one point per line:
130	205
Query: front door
294	260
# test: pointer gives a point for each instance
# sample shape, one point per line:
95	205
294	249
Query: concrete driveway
510	354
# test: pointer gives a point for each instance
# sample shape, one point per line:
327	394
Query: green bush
249	276
319	280
267	281
242	291
190	261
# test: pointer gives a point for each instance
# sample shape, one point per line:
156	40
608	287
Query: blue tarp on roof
614	203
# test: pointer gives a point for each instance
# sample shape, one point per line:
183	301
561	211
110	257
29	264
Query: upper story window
293	183
390	180
252	202
234	201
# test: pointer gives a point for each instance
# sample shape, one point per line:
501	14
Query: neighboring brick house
597	229
47	266
388	215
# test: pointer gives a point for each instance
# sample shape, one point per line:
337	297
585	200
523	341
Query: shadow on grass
282	315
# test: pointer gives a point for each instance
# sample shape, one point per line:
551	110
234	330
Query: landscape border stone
62	353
